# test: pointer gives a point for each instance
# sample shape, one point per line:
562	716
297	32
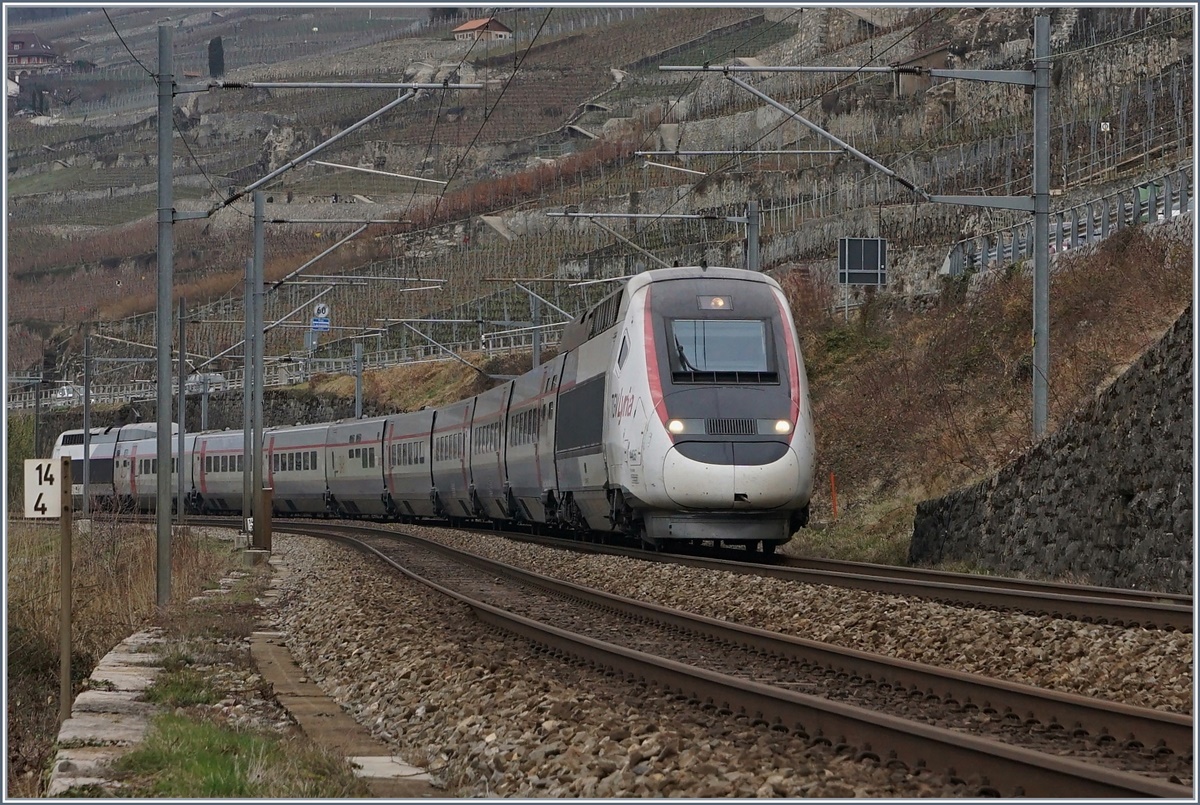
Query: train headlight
783	426
675	426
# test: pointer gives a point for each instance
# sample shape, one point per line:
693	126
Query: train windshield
721	351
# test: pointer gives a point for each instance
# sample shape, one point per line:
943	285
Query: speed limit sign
320	310
43	488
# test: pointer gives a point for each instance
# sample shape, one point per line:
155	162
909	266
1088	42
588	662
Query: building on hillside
909	84
28	54
482	29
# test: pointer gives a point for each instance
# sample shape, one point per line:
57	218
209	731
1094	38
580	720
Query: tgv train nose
700	485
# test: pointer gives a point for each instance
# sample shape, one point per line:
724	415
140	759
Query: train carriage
451	460
295	466
580	430
132	439
408	466
102	443
529	447
136	482
489	482
218	462
356	467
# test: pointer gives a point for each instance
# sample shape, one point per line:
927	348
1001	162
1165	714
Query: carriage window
717	350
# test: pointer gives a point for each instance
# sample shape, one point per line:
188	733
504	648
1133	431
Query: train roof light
715	302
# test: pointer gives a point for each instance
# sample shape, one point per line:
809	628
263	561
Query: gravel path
489	717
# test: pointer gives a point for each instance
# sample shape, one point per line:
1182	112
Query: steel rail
1072	711
1000	582
999	766
1087	604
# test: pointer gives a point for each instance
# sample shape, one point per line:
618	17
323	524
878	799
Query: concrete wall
1106	500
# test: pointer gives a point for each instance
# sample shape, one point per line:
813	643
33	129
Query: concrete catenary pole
259	338
247	395
87	423
1041	223
178	463
166	88
753	262
358	386
535	318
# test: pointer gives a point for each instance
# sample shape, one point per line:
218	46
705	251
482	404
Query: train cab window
725	350
624	353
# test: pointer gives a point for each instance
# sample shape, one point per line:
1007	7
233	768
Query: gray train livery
676	412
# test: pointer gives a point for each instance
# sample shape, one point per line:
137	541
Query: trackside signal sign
43	495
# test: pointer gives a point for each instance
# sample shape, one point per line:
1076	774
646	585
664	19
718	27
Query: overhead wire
127	50
837	85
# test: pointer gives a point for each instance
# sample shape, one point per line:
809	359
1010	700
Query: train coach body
407	474
677	410
451	459
355	471
489	480
533	411
295	467
218	461
135	476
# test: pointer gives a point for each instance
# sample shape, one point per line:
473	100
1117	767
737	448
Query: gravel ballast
489	716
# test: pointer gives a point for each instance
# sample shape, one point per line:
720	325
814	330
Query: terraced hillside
509	153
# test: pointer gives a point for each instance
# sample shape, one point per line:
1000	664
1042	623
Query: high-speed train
677	411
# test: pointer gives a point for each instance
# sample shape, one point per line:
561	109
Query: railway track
1089	604
1000	738
1078	602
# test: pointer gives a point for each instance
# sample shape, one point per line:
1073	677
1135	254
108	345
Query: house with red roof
486	28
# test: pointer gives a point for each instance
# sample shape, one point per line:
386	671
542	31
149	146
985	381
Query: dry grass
909	404
114	579
414	386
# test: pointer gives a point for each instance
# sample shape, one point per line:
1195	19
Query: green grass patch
185	758
182	687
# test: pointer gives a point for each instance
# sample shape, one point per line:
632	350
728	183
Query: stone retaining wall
1106	500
